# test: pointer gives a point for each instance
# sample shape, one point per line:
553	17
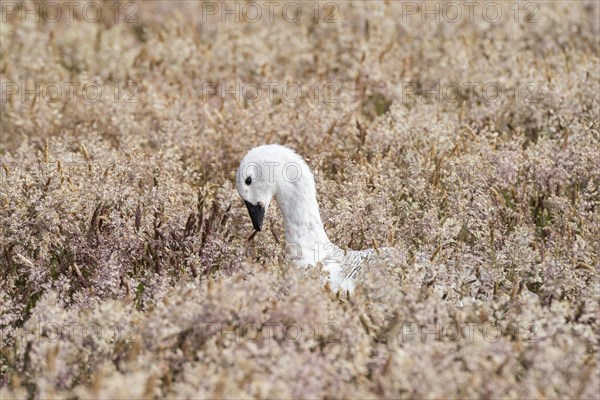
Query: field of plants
464	135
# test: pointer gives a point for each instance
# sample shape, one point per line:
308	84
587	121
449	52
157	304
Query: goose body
274	171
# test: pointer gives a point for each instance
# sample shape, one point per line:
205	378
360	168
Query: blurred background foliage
471	146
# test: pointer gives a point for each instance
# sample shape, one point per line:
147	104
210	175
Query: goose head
272	171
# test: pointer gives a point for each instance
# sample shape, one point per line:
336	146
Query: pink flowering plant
469	142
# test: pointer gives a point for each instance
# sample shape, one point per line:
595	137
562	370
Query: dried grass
121	218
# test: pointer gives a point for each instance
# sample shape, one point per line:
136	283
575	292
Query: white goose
276	171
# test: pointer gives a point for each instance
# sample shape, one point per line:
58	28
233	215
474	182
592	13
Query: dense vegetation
472	146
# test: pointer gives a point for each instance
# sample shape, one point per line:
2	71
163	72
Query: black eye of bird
248	180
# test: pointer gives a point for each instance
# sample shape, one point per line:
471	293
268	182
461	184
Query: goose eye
248	180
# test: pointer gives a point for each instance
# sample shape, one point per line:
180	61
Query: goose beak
257	214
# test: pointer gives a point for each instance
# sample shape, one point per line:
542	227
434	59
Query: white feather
279	172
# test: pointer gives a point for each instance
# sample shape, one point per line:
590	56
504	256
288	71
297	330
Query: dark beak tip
257	214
